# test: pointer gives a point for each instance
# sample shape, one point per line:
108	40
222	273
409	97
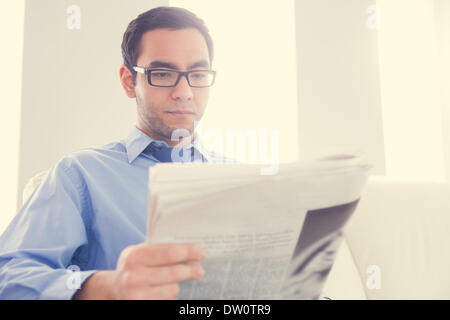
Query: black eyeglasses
170	78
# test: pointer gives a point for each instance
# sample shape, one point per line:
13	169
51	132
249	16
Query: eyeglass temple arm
139	69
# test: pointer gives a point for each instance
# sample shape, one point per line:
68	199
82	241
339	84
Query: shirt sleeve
40	249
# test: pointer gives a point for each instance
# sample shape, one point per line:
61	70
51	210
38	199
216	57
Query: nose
182	91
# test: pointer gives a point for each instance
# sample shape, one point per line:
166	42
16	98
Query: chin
187	128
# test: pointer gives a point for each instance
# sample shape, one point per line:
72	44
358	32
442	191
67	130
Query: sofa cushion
399	239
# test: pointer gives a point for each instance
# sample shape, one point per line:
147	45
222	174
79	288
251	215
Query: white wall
410	90
11	33
338	79
442	14
256	84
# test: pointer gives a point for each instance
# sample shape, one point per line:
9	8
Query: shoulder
70	172
113	151
75	167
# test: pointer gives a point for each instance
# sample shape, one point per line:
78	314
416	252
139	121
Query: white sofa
397	244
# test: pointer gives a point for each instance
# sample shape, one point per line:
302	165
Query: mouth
181	115
180	112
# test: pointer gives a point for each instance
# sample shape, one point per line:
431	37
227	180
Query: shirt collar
137	141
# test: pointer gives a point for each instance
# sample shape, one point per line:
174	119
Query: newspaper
266	236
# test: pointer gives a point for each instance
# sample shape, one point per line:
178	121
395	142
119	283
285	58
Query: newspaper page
266	236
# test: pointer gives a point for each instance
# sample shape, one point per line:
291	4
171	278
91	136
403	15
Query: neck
171	143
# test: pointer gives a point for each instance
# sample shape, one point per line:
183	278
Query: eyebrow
168	65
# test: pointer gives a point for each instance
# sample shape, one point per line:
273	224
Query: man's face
161	110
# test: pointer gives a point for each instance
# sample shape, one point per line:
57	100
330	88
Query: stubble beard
154	123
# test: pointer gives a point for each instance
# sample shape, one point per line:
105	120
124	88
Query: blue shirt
90	206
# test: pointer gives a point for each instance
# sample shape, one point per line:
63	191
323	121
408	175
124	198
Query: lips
180	112
181	115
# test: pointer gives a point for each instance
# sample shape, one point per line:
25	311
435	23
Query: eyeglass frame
185	74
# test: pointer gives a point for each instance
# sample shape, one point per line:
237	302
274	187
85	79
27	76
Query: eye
198	75
162	74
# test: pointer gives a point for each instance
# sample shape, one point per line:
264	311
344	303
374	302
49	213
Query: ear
126	81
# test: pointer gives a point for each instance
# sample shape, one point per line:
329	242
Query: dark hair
159	18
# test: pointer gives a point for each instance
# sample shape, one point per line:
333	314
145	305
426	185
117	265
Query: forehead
179	47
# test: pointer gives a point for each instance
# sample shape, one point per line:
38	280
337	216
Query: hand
146	271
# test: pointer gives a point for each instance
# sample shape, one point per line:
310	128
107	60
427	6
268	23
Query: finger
146	254
156	276
164	292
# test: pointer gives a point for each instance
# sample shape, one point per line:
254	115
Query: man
90	211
